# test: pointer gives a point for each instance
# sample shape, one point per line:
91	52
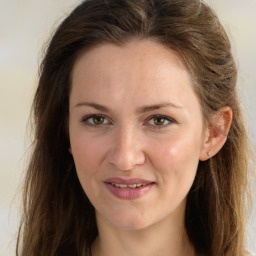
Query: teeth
122	186
132	186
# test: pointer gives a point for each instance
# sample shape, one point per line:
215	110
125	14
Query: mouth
128	188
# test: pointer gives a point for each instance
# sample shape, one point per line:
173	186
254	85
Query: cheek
175	163
88	154
177	157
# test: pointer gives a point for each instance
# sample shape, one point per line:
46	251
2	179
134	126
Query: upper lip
127	181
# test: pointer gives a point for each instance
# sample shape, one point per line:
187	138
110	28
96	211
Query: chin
130	222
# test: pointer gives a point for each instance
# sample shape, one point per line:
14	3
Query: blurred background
25	26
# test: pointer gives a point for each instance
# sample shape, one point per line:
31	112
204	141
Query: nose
126	149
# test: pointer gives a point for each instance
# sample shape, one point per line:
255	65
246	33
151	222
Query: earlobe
216	134
70	150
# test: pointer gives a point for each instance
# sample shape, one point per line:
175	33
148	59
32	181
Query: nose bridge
127	149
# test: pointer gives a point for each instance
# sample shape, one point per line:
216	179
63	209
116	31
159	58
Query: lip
128	193
127	181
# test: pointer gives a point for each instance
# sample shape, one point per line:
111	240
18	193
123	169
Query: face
136	132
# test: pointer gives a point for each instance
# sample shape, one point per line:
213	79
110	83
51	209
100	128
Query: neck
164	238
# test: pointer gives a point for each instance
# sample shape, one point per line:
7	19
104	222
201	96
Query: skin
131	87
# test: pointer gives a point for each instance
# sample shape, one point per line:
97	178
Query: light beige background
24	27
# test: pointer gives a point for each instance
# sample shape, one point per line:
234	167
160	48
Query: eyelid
169	119
85	119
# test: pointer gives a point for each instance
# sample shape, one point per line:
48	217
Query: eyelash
85	120
163	117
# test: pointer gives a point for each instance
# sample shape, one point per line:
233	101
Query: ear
216	133
70	150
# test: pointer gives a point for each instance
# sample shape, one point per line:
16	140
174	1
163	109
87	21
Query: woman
140	146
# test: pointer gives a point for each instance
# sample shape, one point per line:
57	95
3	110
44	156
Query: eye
160	121
95	120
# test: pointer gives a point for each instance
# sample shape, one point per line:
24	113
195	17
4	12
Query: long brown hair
58	218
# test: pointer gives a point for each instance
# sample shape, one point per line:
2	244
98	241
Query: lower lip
129	193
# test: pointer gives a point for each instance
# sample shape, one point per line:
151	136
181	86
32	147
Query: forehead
133	52
145	57
139	70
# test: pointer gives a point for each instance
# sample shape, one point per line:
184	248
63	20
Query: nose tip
126	160
126	153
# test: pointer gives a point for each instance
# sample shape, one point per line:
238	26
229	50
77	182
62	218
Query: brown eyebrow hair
157	106
94	105
142	109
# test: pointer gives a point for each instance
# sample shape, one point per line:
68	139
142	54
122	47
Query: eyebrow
94	105
142	109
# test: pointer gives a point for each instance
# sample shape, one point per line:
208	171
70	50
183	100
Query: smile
130	186
128	189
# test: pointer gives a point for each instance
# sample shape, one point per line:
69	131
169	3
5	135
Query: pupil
159	120
98	120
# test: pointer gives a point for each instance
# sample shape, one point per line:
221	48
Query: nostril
127	161
126	151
